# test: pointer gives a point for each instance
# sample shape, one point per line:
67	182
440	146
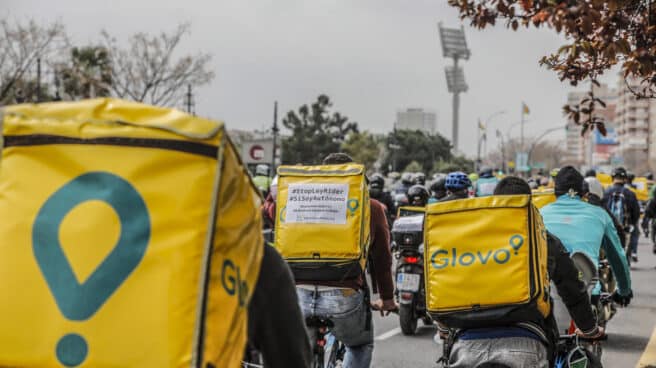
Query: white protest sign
317	203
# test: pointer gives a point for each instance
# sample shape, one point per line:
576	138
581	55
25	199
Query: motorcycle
407	244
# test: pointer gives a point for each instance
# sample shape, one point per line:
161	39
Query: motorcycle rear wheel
407	319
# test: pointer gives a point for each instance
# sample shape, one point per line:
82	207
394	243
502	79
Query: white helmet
262	169
595	186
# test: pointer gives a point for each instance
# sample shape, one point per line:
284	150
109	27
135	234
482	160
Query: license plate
407	282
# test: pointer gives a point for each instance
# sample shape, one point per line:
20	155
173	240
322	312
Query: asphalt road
629	331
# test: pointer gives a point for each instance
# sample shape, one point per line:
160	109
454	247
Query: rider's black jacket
275	324
631	201
573	292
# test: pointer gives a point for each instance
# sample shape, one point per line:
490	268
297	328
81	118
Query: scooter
407	244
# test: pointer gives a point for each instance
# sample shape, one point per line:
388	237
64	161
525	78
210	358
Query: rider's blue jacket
582	227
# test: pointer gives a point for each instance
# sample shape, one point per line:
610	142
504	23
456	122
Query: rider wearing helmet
377	192
405	183
262	180
438	190
622	202
509	345
587	229
420	179
630	177
457	186
418	196
593	192
486	182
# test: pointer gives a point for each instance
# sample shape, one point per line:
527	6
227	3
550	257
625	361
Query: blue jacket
485	186
582	227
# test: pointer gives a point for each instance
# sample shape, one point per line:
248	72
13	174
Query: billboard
609	140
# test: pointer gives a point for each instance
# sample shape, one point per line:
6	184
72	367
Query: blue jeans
346	309
633	241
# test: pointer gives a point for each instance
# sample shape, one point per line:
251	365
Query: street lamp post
454	46
503	150
487	122
274	131
537	140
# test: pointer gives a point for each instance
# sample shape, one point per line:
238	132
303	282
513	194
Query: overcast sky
372	57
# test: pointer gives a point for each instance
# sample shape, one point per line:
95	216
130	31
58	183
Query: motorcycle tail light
406	296
411	259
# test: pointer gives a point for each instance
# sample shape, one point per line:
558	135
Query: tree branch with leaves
600	35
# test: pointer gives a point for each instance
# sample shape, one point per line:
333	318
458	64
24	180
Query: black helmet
406	178
438	188
486	172
590	173
630	176
376	181
649	176
618	172
418	195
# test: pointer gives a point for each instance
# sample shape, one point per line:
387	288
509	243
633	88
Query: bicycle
327	351
573	351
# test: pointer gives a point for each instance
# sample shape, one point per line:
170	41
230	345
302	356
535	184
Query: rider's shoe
634	257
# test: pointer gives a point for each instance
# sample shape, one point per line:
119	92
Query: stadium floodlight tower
454	46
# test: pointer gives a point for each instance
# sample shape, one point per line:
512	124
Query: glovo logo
79	301
352	205
442	258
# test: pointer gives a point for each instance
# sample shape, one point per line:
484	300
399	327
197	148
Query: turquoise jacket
582	227
485	186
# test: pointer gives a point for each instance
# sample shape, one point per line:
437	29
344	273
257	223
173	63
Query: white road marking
389	334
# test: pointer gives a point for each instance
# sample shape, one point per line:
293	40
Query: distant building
635	118
593	149
416	119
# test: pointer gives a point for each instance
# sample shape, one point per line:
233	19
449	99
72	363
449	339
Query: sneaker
634	257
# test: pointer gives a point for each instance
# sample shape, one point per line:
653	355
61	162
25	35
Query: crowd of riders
582	216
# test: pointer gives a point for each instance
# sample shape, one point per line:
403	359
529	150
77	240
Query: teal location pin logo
79	301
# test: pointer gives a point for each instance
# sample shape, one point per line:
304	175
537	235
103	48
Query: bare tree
146	71
21	45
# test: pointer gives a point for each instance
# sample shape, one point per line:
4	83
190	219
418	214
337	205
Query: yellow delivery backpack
323	221
486	262
542	198
131	237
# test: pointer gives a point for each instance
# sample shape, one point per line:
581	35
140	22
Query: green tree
316	132
413	166
87	74
363	148
456	163
405	146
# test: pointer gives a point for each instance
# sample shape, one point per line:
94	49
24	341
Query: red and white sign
256	152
